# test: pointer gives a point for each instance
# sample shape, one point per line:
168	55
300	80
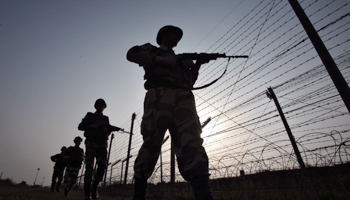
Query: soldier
169	104
96	129
74	157
58	169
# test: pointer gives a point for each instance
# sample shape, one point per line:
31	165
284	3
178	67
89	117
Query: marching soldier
96	129
170	104
58	170
74	157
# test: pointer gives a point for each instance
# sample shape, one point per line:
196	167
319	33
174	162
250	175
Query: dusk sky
58	57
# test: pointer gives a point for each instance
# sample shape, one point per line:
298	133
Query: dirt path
17	192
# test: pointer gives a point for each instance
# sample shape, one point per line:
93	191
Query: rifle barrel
239	56
214	56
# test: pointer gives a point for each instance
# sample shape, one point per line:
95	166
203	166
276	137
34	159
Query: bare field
330	183
20	192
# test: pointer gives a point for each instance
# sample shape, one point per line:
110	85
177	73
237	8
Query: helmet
98	101
63	148
167	28
78	139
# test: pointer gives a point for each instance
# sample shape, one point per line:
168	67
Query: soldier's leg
101	160
192	159
66	175
157	114
73	176
67	182
54	177
140	189
60	177
70	178
89	167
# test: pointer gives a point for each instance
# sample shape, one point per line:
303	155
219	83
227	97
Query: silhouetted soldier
58	170
96	129
74	157
170	104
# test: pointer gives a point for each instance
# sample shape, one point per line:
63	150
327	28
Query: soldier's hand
93	125
120	129
203	58
114	128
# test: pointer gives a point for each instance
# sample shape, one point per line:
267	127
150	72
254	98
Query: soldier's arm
143	55
194	67
109	127
54	157
114	128
85	122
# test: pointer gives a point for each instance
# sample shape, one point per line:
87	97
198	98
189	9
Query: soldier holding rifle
170	104
58	170
96	129
74	157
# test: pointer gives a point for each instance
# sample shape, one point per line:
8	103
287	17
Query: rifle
101	123
108	126
212	56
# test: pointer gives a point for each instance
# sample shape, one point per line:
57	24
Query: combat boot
140	189
201	187
87	190
52	187
66	192
58	187
94	193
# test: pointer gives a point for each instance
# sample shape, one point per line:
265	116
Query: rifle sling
211	83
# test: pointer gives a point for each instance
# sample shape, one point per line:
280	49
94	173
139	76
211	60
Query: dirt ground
19	192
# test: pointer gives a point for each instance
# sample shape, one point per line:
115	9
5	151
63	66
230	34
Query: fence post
325	56
128	156
36	176
109	153
244	186
270	94
110	177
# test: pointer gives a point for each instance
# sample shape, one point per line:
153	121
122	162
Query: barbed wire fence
245	131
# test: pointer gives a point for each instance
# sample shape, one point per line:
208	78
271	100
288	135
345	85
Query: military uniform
168	105
74	158
156	75
96	147
58	170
